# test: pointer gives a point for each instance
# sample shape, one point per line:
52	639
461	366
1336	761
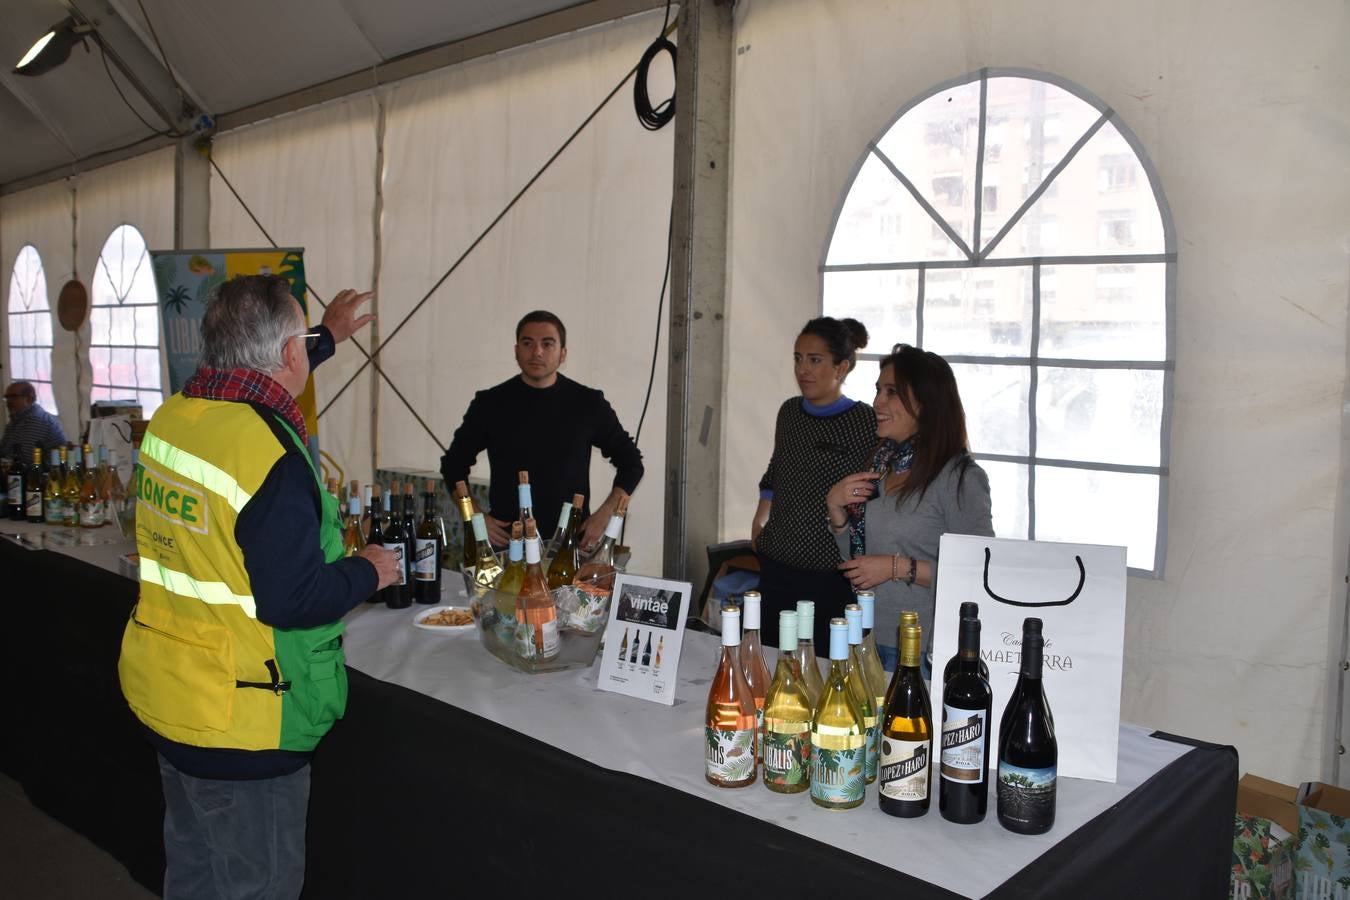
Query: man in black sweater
542	422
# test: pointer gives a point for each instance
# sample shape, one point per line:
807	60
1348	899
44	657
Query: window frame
153	302
11	313
980	259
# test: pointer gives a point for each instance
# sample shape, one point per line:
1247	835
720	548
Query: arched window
124	323
30	326
1010	222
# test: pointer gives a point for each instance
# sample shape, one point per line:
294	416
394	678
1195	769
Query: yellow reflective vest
197	666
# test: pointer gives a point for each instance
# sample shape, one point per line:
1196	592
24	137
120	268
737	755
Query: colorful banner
186	278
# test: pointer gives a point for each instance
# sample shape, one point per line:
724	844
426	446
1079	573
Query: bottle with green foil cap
838	738
806	651
787	718
864	694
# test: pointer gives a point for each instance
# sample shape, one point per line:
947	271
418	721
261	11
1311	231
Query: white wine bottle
806	651
487	569
861	689
787	718
906	770
838	738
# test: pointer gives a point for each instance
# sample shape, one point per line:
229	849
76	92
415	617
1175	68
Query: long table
469	775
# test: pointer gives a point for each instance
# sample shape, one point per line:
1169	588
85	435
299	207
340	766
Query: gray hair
248	321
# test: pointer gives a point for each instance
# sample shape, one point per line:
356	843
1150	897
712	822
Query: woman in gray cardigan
929	486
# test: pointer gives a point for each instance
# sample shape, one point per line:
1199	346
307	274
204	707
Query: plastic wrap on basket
512	642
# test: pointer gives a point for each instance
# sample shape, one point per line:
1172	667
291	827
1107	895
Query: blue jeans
234	840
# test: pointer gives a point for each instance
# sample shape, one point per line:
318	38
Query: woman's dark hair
940	416
844	337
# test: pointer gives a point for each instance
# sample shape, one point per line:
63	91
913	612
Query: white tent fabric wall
587	242
139	192
1241	110
310	179
41	216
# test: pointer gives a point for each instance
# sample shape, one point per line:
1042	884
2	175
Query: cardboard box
1265	831
1322	848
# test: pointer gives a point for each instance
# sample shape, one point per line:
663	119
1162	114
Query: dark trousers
781	586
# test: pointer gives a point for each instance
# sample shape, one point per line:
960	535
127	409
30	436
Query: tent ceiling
227	56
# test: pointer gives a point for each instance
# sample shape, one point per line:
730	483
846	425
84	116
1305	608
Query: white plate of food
445	619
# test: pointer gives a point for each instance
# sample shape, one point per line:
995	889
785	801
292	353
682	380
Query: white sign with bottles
641	656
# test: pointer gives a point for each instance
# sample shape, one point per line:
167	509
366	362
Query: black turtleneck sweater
548	432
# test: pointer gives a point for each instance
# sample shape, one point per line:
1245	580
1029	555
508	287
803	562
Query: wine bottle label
53	512
69	513
904	769
1026	796
546	638
14	489
963	744
787	748
91	513
425	565
397	550
730	754
33	503
837	775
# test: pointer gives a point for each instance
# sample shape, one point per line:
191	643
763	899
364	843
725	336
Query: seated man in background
544	423
29	424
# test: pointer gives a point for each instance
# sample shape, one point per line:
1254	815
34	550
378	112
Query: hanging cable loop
653	119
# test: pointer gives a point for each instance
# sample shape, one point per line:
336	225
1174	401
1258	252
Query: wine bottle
633	652
469	545
731	724
595	577
352	537
563	568
523	496
374	533
963	794
647	651
564	516
1028	754
752	658
399	594
969	610
536	613
32	489
119	508
623	647
91	508
51	491
427	550
838	738
70	489
107	472
513	576
907	617
867	650
408	528
787	718
14	488
487	569
862	690
906	768
660	643
806	651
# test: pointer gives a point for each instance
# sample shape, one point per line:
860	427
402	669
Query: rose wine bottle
838	734
863	693
752	660
535	609
787	718
731	723
906	768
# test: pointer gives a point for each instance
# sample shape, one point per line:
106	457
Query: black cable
660	311
106	68
657	118
164	57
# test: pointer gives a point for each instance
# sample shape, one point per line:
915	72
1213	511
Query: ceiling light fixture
53	48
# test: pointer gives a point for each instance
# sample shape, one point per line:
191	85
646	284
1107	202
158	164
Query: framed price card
641	656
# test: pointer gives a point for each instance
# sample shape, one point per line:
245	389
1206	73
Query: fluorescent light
34	50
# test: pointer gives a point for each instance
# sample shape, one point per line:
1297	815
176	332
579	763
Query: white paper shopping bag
1078	591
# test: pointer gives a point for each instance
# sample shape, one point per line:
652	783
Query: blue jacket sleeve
323	349
278	532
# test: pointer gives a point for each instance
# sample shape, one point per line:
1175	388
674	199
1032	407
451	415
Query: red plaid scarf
244	386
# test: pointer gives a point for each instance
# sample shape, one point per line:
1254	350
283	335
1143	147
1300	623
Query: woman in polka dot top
820	437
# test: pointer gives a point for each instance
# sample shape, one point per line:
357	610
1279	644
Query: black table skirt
413	797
